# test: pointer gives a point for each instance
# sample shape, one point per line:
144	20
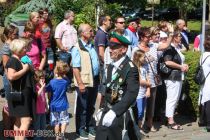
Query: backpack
199	77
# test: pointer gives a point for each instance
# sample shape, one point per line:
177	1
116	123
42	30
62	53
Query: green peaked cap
121	38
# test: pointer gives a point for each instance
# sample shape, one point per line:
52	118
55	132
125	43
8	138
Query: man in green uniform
122	86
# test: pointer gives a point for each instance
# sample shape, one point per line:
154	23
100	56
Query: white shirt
181	56
205	90
117	64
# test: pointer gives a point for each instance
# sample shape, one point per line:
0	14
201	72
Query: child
144	88
58	101
41	104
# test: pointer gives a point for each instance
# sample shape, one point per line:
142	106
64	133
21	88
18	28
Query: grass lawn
193	25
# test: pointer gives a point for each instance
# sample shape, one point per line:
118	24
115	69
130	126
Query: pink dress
40	102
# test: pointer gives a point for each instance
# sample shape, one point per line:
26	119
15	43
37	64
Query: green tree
184	6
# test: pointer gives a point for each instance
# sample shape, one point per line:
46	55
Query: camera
2	93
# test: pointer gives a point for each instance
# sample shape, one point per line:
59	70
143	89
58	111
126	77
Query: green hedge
192	59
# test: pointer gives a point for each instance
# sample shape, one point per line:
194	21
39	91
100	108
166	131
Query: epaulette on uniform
131	64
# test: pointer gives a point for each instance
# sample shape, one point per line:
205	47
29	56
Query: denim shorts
57	118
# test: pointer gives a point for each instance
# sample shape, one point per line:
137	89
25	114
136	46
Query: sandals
150	129
175	126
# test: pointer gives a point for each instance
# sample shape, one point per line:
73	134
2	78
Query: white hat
163	34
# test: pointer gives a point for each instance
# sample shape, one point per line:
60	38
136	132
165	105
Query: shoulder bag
14	94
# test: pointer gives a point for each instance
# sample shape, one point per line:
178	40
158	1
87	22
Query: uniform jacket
130	88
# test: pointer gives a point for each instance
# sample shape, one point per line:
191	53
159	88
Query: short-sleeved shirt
152	55
5	50
67	33
58	88
34	53
143	72
76	58
101	38
15	64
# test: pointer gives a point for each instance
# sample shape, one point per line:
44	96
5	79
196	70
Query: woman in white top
205	90
174	60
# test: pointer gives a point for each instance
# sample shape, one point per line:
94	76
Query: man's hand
81	87
108	118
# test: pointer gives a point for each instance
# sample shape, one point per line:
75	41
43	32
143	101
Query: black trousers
207	113
204	118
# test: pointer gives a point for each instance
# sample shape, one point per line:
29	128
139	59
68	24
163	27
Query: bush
192	59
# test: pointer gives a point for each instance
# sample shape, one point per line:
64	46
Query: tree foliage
184	6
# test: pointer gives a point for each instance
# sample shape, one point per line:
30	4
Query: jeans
65	57
7	86
141	102
40	124
85	108
50	54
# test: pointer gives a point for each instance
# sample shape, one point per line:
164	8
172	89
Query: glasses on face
147	36
121	22
45	13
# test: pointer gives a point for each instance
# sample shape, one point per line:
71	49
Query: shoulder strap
150	65
204	59
203	62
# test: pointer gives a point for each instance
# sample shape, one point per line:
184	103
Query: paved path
191	130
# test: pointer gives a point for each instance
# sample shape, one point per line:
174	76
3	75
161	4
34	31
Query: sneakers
83	135
92	133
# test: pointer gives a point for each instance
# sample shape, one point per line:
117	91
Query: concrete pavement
191	130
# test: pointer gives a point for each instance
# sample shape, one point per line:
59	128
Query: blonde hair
138	58
61	68
17	45
29	27
162	24
154	30
33	15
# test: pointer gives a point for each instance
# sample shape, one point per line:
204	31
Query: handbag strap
201	63
150	65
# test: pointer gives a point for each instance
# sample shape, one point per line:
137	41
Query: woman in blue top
58	99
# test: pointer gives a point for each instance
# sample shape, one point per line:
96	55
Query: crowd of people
119	67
